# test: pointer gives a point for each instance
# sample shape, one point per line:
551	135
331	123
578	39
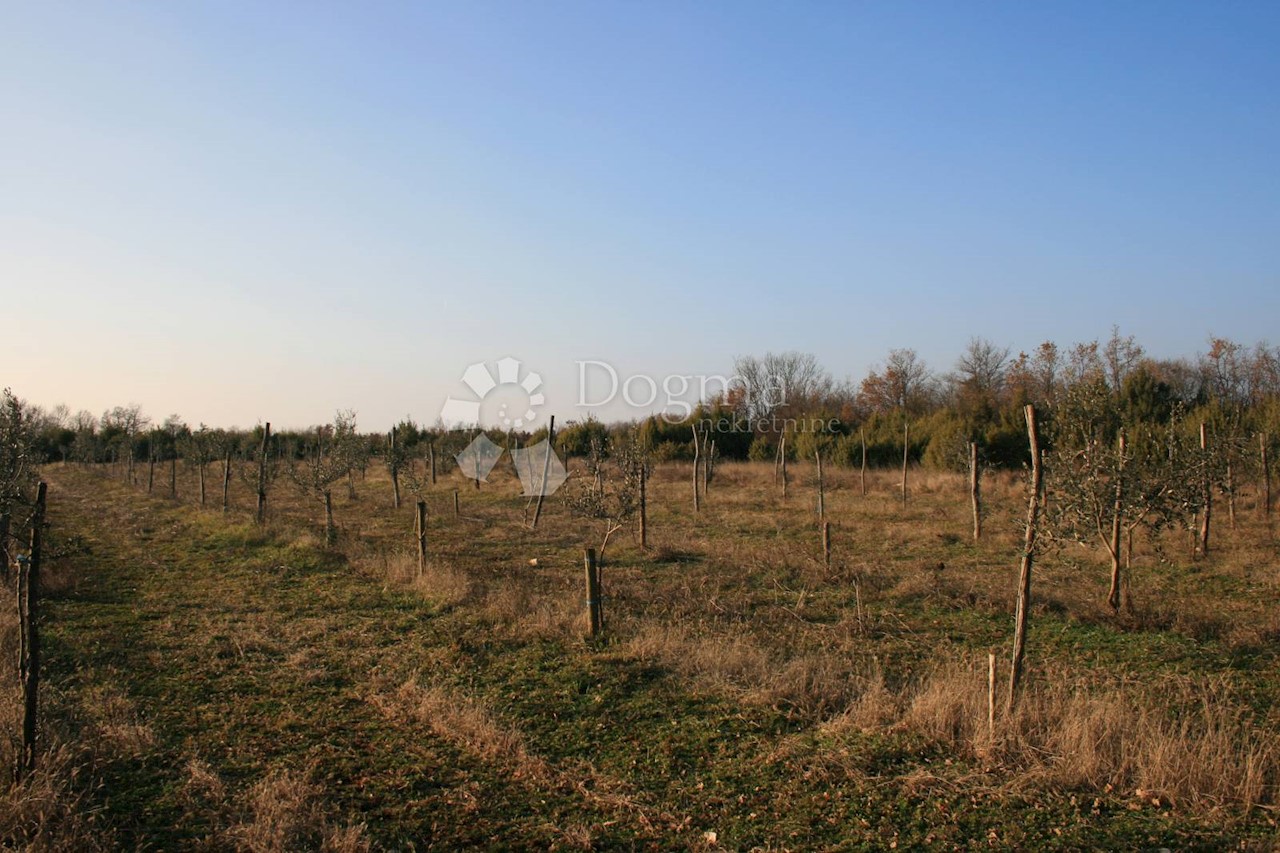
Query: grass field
211	684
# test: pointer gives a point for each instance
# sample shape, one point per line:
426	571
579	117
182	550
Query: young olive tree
337	451
18	461
200	448
1105	478
610	486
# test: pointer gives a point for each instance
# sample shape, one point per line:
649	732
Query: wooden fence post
595	614
457	509
1028	554
29	639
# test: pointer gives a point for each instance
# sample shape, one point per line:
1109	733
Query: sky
259	211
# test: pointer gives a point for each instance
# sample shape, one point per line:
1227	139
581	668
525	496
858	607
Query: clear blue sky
247	210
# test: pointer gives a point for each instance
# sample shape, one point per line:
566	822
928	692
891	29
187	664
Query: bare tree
126	422
902	385
1120	356
777	383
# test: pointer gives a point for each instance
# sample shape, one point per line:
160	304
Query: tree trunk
4	548
975	490
351	484
262	475
1206	495
1117	521
29	639
595	620
1028	554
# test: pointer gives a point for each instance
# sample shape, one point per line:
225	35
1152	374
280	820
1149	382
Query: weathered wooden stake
151	472
822	503
1206	492
202	495
457	509
975	490
905	446
595	614
709	466
696	457
862	437
262	474
1028	554
173	476
394	464
826	544
546	471
29	639
226	479
420	531
784	452
644	506
991	697
431	458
